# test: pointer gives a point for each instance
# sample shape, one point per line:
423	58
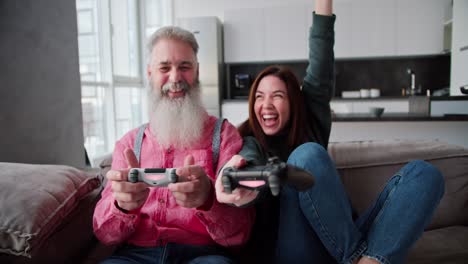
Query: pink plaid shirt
161	220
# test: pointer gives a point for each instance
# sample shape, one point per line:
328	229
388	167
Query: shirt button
161	201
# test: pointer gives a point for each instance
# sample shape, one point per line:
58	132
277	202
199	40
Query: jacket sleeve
227	225
110	224
318	87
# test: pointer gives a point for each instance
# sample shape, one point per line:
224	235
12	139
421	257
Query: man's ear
148	71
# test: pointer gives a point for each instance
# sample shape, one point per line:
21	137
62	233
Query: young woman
317	226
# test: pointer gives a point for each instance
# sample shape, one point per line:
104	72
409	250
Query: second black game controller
274	174
153	176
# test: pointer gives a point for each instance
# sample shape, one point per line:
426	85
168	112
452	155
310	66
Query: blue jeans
170	253
317	226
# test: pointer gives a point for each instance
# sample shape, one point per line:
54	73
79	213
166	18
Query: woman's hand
324	7
240	196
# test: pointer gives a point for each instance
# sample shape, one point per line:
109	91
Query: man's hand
194	186
129	196
240	196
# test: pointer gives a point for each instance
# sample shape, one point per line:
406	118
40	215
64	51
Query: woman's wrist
324	7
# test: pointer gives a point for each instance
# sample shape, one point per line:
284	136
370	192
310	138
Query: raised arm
318	86
324	7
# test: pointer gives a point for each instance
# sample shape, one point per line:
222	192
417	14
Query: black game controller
275	173
153	177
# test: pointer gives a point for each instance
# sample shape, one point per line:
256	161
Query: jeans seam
359	252
323	228
377	217
398	176
379	258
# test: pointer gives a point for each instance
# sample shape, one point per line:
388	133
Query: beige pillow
34	199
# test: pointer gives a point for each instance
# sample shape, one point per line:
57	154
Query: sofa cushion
35	199
444	245
105	164
366	166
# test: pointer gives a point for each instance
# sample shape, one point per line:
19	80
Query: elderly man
182	222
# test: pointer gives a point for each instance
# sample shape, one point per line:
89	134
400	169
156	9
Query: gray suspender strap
139	141
216	142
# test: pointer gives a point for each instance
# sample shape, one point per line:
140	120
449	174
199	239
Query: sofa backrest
366	166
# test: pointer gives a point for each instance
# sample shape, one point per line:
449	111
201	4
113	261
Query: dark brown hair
295	127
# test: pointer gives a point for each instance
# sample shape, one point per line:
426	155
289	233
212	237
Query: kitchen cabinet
244	35
420	26
441	108
373	28
286	32
459	67
267	34
364	28
362	106
343	29
235	112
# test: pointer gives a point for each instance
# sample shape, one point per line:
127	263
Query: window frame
110	81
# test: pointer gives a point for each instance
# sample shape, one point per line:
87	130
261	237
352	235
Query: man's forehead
174	62
170	51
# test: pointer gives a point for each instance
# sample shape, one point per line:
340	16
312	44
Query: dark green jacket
317	89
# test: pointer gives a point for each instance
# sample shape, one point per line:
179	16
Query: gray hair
172	32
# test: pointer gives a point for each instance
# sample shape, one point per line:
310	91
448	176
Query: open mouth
270	119
176	93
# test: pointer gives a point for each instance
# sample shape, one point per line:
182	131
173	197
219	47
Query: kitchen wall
374	56
40	95
389	74
190	8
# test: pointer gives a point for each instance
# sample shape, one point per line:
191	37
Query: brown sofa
364	166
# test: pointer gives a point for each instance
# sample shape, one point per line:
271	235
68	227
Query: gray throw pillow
34	199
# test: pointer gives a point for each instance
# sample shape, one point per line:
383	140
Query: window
112	36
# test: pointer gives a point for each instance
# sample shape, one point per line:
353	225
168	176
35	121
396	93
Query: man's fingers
131	158
190	172
184	187
189	160
128	186
131	197
117	175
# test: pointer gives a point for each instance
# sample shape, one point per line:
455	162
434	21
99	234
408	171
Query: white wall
190	8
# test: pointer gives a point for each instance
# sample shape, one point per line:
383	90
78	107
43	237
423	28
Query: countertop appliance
242	81
464	89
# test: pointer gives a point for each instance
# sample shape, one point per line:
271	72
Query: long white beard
177	122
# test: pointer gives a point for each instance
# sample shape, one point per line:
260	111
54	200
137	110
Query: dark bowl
464	90
376	111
